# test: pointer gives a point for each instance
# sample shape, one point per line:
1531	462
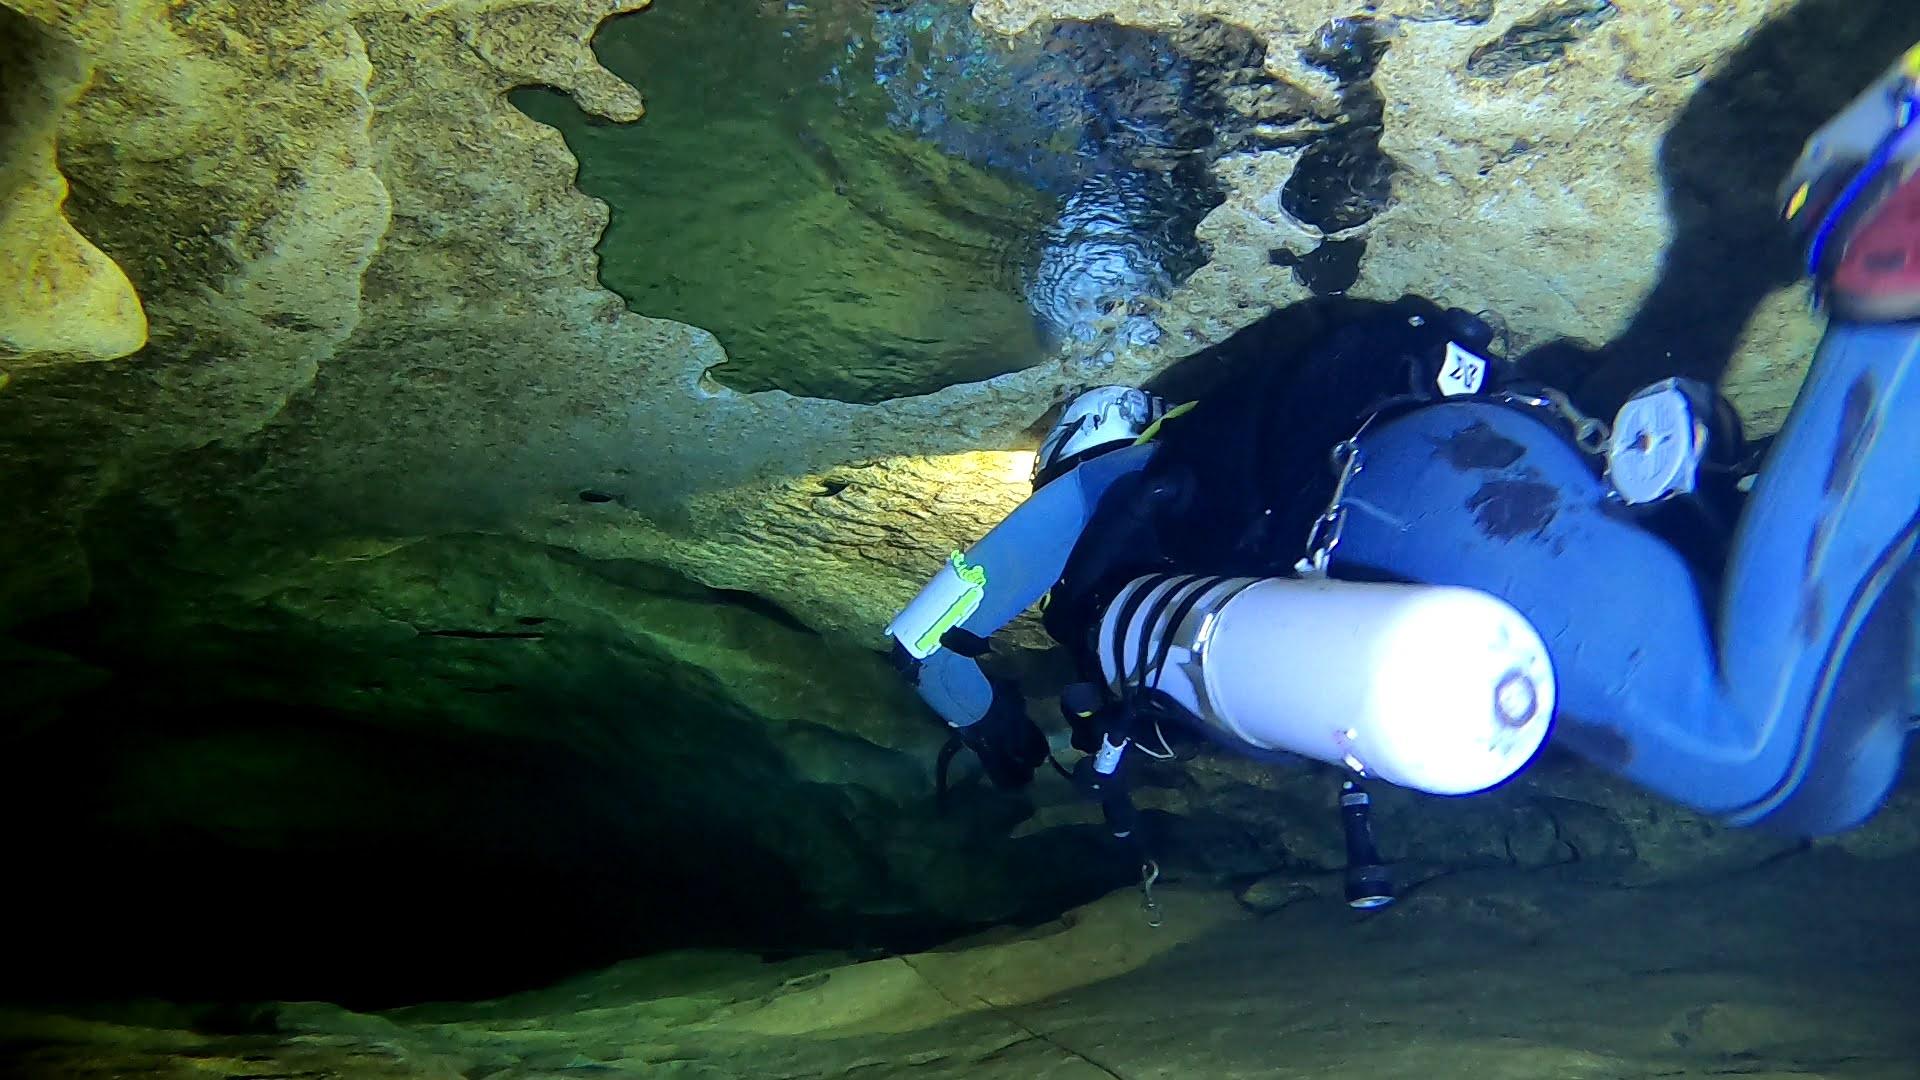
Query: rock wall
61	298
373	296
604	744
1478	974
414	746
1592	171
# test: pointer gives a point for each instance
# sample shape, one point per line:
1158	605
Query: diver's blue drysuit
1791	708
1796	711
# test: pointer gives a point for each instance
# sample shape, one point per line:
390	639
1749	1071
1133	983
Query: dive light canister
1441	689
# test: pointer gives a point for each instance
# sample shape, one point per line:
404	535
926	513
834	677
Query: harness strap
1165	649
1125	618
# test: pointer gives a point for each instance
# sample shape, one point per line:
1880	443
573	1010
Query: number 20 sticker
1461	372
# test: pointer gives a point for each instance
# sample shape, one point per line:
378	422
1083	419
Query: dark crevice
1348	49
388	850
1329	270
1540	38
559	800
1464	12
760	605
1343	179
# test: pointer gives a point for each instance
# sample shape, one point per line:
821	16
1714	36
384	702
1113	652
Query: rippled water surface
865	204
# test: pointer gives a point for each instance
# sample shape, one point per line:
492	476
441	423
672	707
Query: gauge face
1655	450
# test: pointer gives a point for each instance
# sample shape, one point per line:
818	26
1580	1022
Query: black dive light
1369	884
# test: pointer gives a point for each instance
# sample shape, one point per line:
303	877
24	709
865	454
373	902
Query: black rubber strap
1135	688
965	643
940	767
1124	619
904	662
1180	613
1151	695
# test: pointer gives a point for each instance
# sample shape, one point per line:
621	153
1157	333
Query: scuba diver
1485	562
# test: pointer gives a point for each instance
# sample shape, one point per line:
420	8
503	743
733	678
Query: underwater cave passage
866	203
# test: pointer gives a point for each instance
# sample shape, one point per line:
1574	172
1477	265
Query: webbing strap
1179	616
1124	619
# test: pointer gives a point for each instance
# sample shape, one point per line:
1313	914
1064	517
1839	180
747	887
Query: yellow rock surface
61	298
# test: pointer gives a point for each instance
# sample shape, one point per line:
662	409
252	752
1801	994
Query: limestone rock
1475	975
802	758
61	298
410	279
1266	895
842	549
399	257
218	155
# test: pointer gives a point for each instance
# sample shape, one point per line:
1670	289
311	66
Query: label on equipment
949	599
1461	372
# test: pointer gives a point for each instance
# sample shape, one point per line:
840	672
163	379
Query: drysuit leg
1818	621
1794	713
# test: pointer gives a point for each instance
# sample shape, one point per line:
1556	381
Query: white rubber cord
1165	746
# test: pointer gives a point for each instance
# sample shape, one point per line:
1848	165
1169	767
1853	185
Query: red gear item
1878	278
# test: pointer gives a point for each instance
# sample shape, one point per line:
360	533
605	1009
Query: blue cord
1902	119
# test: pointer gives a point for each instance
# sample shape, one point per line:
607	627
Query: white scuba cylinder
1441	689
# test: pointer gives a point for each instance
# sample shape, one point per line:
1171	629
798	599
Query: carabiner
1149	873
